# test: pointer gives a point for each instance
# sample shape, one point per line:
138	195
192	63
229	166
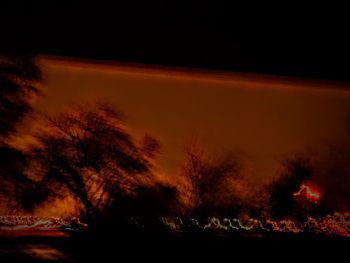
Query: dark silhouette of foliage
89	150
333	176
19	82
147	201
20	190
282	202
150	146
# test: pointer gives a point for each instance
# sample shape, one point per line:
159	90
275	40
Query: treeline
88	153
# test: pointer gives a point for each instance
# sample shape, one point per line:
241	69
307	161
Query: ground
113	246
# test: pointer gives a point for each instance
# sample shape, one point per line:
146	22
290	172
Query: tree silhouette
19	82
89	150
206	176
282	202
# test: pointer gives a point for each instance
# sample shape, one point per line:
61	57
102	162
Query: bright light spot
309	192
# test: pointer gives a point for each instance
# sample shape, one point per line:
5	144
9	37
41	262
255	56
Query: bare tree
206	176
89	150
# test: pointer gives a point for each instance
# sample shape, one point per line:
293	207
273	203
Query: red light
309	192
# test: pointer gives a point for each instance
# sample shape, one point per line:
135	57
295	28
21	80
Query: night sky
266	120
307	41
263	119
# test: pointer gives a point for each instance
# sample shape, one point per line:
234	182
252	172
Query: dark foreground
150	246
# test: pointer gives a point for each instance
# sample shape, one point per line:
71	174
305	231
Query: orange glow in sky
262	118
